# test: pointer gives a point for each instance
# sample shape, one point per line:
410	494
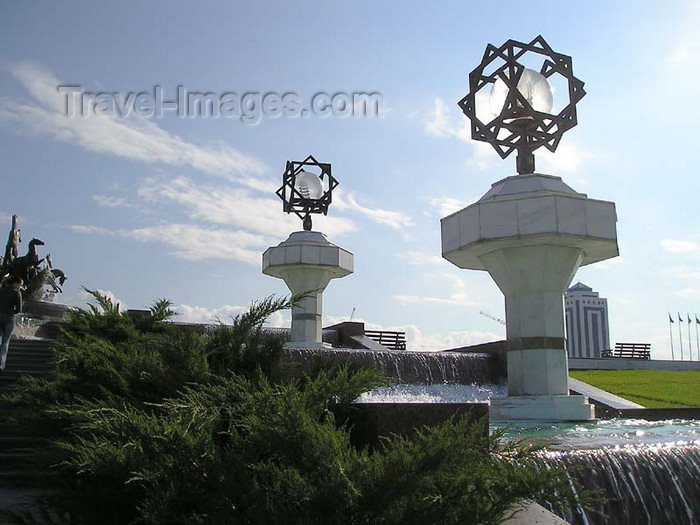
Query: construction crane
492	317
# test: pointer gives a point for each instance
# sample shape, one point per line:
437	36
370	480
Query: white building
587	328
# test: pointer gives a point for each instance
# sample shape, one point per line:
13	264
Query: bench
629	351
391	340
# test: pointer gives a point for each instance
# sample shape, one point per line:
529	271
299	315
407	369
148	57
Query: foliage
154	423
649	388
243	346
161	311
101	320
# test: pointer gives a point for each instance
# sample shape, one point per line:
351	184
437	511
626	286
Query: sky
145	207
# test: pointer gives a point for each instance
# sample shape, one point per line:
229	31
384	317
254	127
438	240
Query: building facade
587	328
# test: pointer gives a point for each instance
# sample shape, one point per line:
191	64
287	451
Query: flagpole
680	334
670	333
690	345
697	340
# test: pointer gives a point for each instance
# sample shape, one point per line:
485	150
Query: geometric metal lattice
297	201
519	127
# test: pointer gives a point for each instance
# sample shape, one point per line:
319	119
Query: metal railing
629	351
389	339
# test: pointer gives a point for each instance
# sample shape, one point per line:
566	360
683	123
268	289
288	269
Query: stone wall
617	363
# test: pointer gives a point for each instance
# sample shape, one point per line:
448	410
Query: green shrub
152	423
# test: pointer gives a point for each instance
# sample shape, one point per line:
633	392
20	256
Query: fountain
531	232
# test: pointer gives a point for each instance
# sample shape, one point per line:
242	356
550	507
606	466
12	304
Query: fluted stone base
307	261
542	408
531	233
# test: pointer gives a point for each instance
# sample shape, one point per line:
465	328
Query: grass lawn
649	388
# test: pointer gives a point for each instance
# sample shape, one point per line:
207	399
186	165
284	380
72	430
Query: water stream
410	367
644	484
648	471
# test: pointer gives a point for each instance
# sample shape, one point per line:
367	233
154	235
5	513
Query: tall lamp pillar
530	231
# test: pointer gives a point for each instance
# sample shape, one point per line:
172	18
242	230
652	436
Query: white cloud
111	202
394	219
192	242
622	300
607	263
567	159
279	320
442	122
87	228
458	297
678	246
483	155
683	272
132	138
677	78
689	293
203	315
422	258
236	207
446	205
420	299
417	340
6	217
87	297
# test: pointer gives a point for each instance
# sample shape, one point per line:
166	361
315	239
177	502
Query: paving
534	514
598	395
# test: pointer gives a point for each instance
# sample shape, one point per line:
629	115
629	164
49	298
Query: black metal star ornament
519	126
299	187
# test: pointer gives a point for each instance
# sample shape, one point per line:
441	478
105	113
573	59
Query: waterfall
411	367
643	485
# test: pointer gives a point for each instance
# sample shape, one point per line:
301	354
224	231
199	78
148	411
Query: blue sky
182	208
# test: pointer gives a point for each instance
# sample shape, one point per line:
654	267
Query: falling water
648	473
411	367
654	485
435	393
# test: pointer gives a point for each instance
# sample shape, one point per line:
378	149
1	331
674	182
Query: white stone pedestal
531	233
307	262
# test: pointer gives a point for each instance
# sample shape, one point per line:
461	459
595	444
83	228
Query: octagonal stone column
531	233
307	262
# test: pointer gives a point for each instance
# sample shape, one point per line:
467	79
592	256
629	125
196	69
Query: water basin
435	393
607	433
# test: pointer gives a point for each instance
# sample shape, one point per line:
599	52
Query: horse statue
26	267
41	280
55	274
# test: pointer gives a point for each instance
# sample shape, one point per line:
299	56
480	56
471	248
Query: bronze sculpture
39	276
12	248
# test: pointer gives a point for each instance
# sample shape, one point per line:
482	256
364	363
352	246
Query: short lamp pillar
307	262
